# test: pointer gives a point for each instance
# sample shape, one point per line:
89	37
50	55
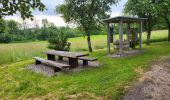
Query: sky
51	16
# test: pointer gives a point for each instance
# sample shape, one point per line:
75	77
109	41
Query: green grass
10	53
109	81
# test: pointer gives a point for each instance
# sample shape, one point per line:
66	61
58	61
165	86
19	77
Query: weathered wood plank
87	58
66	54
51	63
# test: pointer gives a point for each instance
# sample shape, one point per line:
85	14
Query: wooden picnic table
72	56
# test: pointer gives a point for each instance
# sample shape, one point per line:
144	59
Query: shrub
58	41
5	38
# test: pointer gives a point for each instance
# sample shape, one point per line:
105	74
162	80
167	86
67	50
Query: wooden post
120	36
51	57
128	33
60	58
140	35
37	62
73	62
108	39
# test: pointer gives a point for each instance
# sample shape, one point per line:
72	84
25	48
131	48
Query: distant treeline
13	31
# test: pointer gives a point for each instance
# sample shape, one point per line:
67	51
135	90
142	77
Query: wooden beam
128	33
140	35
108	39
120	36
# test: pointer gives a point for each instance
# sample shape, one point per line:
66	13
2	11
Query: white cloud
114	14
57	20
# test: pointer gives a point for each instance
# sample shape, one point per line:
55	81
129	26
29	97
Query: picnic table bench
86	59
72	56
58	66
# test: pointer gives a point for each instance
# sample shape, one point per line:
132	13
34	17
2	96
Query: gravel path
154	84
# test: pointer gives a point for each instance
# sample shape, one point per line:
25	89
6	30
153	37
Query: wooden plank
66	54
52	63
87	58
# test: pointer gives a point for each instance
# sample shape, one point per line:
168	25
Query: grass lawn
109	81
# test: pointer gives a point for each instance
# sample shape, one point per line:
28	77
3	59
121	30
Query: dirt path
154	84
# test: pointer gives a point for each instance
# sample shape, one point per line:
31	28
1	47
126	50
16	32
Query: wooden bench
86	59
58	66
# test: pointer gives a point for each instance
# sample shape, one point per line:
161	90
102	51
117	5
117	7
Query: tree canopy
163	10
146	9
87	14
23	7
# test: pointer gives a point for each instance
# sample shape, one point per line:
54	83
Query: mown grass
10	53
109	81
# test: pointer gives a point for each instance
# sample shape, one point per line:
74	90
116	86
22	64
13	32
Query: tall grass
20	51
14	52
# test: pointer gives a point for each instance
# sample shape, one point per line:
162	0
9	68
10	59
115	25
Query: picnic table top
66	54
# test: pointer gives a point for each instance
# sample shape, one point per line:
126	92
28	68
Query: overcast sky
50	15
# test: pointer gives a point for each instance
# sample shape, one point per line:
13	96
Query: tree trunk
148	37
168	25
89	42
169	33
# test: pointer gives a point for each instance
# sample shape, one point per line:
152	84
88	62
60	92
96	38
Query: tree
3	27
59	41
86	14
24	7
163	10
13	26
146	9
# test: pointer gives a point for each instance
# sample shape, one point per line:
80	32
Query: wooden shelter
121	20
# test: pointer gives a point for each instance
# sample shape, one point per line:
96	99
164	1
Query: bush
58	41
5	38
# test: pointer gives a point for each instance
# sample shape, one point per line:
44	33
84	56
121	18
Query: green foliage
3	27
5	38
24	7
59	41
145	9
13	26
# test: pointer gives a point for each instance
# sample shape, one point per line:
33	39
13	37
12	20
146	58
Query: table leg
60	58
51	57
85	62
73	62
37	62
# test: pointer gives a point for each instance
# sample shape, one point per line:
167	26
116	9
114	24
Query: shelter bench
58	66
86	59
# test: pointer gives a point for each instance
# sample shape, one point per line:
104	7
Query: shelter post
120	36
140	35
108	39
128	27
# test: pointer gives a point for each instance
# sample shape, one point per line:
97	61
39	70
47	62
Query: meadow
109	81
14	52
